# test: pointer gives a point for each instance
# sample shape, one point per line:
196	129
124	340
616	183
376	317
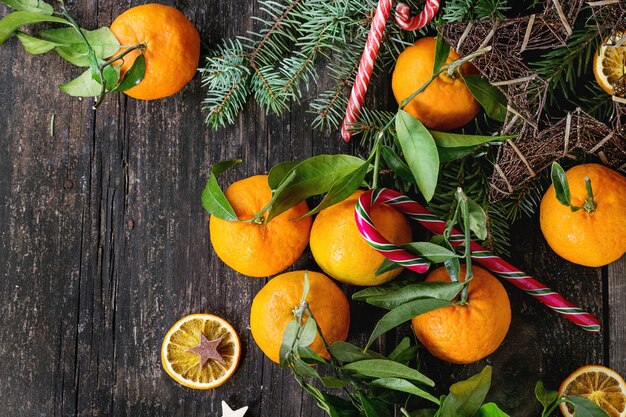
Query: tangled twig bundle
541	140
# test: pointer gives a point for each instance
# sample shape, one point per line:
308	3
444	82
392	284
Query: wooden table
104	245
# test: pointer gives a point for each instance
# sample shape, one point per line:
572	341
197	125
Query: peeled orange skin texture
466	333
172	48
599	384
446	103
340	250
259	250
272	310
591	239
183	366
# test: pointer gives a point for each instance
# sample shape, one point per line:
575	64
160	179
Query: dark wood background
104	245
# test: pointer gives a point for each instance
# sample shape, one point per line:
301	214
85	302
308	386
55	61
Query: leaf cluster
94	49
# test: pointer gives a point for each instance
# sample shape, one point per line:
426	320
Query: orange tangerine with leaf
170	45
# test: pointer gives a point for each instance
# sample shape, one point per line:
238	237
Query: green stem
140	46
590	204
90	52
468	252
550	410
376	160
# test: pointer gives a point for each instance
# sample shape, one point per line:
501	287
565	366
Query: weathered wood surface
104	245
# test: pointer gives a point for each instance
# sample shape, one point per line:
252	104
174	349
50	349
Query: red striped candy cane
495	264
374	37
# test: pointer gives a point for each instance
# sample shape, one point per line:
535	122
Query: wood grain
104	245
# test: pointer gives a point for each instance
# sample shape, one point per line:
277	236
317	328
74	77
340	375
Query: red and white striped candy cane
374	37
495	264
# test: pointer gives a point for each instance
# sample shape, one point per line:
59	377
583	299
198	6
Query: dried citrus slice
599	384
201	351
609	65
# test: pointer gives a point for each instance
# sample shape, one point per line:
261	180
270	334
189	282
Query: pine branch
226	77
467	10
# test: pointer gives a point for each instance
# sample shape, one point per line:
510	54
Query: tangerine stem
468	240
590	204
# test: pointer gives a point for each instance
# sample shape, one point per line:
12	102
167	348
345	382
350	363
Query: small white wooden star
229	412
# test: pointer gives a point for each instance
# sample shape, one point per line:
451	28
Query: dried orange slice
609	65
599	384
201	351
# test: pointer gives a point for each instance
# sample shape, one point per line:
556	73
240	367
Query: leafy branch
98	49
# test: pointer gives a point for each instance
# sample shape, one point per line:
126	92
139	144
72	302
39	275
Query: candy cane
495	264
372	44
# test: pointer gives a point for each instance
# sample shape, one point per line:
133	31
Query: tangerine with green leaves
446	103
591	231
340	250
259	249
274	306
466	333
170	45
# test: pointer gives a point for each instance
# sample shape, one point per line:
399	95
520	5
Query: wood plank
616	320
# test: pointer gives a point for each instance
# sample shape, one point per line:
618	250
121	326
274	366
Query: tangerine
273	308
340	250
446	103
591	236
259	250
466	333
171	48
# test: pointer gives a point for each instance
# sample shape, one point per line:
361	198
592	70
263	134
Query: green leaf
111	76
422	290
453	267
35	6
134	75
365	293
477	219
74	50
342	188
289	337
384	368
309	356
396	164
313	176
458	140
430	251
332	382
492	99
13	21
34	45
425	412
335	406
404	344
402	385
82	86
491	410
442	50
347	353
279	172
545	396
420	152
304	370
213	199
309	332
386	266
466	397
452	154
561	186
368	408
403	313
585	408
